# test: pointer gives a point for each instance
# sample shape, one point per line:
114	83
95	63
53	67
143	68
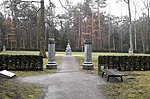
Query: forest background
95	19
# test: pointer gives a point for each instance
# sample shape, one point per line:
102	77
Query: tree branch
62	5
144	4
126	1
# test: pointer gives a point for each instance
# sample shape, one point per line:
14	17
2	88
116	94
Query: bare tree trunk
121	29
109	34
135	34
1	46
135	37
147	5
147	40
37	38
109	29
143	42
42	33
23	43
79	39
130	27
114	41
99	28
30	42
143	38
121	40
23	39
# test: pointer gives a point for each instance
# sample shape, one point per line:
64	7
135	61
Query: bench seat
113	73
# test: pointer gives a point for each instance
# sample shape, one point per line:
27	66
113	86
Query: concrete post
51	55
88	55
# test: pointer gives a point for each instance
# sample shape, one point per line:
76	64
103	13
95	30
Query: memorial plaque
7	74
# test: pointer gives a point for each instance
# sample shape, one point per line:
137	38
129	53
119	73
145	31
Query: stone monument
88	55
68	50
51	55
4	48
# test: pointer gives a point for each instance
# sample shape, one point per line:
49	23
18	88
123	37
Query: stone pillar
88	55
51	55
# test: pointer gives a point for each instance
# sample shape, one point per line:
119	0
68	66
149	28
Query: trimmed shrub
21	62
125	63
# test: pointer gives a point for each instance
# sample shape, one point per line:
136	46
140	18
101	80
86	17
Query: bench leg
121	79
102	74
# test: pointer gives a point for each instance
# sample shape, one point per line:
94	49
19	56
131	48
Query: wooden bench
113	73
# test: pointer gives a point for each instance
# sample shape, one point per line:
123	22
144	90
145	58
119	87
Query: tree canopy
20	27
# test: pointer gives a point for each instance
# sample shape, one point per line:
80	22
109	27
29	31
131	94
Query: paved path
69	82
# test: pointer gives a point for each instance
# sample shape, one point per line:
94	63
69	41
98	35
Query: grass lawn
10	89
135	86
25	52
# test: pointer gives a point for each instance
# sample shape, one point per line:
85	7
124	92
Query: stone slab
7	74
88	66
51	66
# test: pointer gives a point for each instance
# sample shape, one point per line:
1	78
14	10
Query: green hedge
21	62
125	63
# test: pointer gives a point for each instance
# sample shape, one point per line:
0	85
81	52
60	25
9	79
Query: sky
113	7
116	8
59	8
56	2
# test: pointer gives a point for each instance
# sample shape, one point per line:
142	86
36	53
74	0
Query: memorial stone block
88	55
51	55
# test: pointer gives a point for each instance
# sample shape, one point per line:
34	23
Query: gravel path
69	82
